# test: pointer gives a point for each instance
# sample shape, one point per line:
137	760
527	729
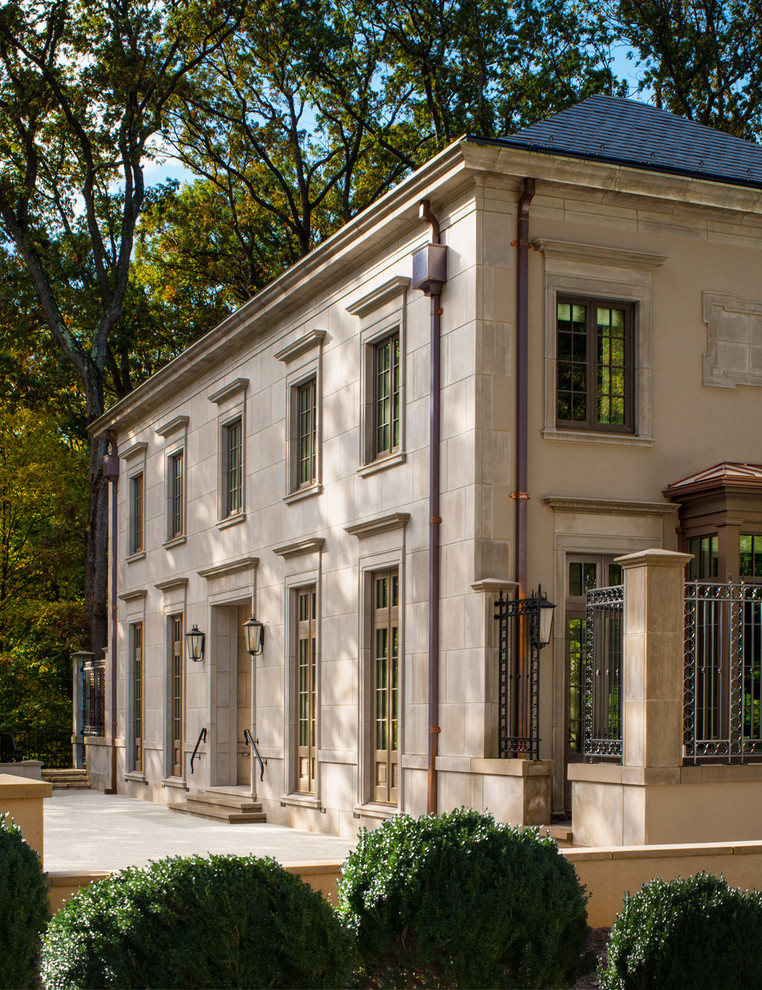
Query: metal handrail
253	744
201	738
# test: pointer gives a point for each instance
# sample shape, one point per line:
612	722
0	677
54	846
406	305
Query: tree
701	59
83	93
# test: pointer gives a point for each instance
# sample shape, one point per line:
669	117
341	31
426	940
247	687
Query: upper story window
386	395
176	494
136	514
595	379
306	404
232	468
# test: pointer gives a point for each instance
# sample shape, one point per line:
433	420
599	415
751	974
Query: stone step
561	833
72	778
223	804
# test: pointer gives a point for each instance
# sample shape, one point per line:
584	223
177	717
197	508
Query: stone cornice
381	524
178	423
229	390
305	343
597	254
311	545
171	583
377	297
607	506
229	567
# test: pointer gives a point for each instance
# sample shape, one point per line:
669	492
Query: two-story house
370	451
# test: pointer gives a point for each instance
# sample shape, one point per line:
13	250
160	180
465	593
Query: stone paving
92	831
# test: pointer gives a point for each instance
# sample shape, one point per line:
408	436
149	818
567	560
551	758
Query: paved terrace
89	830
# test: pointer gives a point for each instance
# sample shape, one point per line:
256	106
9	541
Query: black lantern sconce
196	643
546	609
255	636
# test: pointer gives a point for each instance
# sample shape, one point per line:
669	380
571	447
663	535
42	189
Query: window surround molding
304	563
381	312
231	401
175	594
611	275
382	547
134	613
309	369
134	458
177	446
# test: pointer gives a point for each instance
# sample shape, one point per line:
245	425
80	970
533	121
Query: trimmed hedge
462	901
222	921
686	934
24	909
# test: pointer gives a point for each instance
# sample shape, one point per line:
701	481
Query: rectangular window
176	625
232	468
386	395
385	673
595	382
306	438
137	696
306	693
706	558
136	513
176	495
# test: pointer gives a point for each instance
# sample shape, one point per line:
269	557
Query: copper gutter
435	520
521	495
111	470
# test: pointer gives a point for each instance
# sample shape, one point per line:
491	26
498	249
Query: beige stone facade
679	255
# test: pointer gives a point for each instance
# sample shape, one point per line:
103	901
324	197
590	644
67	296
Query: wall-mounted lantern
255	636
546	616
196	643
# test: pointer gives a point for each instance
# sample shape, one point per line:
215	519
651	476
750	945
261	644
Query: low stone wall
607	873
21	800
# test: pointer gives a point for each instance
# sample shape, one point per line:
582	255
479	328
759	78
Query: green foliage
24	909
225	921
686	934
462	901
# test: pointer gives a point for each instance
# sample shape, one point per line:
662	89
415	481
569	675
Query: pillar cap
655	558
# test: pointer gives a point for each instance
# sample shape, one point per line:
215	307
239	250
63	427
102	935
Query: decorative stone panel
734	340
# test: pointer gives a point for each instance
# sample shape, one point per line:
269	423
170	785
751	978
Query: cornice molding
381	524
396	286
134	595
312	545
305	343
178	423
228	391
598	254
600	506
229	567
171	583
134	451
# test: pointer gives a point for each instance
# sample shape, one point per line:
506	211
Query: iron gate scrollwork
94	697
519	676
604	642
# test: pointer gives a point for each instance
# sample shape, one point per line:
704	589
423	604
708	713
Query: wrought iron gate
723	673
604	641
519	666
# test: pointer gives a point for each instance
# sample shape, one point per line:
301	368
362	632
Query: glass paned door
385	660
177	695
306	727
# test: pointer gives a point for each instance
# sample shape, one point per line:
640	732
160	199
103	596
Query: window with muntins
136	514
386	395
176	625
595	359
306	693
306	403
232	469
137	696
176	495
385	661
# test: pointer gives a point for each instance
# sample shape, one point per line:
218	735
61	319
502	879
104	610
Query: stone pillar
652	681
633	803
21	800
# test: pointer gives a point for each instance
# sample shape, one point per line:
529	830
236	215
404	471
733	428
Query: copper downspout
434	524
111	470
521	495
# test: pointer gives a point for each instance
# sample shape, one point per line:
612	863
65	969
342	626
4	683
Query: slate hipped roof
625	132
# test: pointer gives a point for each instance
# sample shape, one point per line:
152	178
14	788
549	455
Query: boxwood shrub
695	933
221	921
24	909
462	901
